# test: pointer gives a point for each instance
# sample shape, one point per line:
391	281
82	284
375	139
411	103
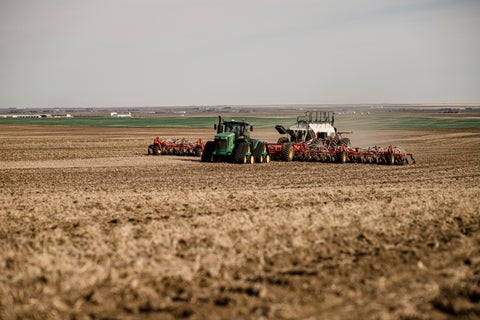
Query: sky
126	53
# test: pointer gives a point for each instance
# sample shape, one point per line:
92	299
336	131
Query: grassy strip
343	123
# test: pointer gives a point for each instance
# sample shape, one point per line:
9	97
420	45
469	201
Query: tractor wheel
208	151
266	159
258	152
341	157
149	150
282	140
240	153
287	152
390	159
155	150
249	159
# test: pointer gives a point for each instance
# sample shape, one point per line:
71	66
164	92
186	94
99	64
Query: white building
121	115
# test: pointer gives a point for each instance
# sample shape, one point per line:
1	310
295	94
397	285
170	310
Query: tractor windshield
236	127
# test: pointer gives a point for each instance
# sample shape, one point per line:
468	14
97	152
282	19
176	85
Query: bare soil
92	227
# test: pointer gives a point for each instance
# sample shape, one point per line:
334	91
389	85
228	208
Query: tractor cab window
230	127
236	128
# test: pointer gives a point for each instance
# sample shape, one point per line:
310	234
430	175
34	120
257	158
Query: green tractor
233	144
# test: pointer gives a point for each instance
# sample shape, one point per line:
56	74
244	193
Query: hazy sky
96	53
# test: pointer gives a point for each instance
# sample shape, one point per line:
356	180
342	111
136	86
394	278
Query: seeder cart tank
315	127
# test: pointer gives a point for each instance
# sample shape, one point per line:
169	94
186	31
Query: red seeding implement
309	151
389	156
180	147
314	138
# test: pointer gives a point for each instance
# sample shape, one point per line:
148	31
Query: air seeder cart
314	138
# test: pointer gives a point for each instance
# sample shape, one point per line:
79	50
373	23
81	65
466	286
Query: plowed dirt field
92	227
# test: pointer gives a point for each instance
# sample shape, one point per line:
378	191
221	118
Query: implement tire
197	152
287	152
208	151
342	157
390	159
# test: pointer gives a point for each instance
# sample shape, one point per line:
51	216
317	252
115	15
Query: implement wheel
197	152
390	159
342	157
287	152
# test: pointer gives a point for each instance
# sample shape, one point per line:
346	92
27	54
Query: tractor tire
149	150
208	151
249	158
240	153
390	159
155	150
282	140
258	152
266	159
345	142
287	152
341	157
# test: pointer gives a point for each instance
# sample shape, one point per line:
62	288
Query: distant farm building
121	115
34	116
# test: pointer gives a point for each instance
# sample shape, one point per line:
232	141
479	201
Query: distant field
409	122
343	122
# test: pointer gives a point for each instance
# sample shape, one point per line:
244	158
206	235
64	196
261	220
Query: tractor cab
240	129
